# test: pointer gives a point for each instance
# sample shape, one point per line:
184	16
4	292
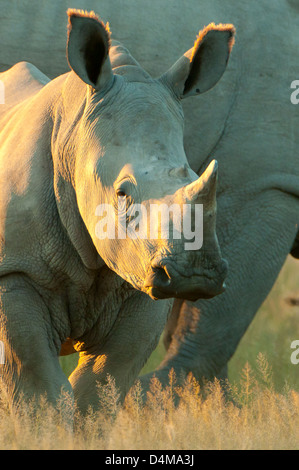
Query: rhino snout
165	281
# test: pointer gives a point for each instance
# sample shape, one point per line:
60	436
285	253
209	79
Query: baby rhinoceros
84	160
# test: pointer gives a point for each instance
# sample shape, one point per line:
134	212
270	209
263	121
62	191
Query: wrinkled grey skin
66	146
247	123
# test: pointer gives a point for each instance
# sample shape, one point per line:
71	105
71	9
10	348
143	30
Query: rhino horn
204	188
180	172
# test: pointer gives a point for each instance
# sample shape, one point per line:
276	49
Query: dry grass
260	418
263	412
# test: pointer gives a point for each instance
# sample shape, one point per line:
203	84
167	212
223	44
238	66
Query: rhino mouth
159	284
158	294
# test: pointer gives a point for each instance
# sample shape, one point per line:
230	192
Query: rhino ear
200	68
88	49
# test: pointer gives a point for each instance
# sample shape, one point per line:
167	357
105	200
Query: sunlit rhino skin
102	131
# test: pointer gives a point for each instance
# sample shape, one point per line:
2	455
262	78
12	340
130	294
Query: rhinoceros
247	123
103	132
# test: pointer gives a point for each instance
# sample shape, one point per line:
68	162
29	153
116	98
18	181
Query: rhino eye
124	188
120	193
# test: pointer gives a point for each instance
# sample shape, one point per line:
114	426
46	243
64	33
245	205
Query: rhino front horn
204	188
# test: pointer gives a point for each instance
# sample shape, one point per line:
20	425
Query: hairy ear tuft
81	13
213	27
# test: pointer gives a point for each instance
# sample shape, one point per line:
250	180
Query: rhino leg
133	337
31	367
172	323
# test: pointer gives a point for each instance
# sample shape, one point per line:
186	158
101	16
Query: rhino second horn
204	188
180	172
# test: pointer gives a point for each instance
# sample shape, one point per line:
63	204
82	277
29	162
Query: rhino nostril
161	276
157	277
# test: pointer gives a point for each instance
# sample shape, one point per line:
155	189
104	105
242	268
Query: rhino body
104	135
247	123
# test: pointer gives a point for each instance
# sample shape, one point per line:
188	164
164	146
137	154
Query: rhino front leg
133	337
31	367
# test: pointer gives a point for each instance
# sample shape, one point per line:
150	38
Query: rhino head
128	152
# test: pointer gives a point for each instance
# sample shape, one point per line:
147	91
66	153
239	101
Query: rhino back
20	82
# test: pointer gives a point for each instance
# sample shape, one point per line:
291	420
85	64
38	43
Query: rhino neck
67	115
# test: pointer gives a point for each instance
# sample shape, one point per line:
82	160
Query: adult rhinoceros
104	131
247	123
